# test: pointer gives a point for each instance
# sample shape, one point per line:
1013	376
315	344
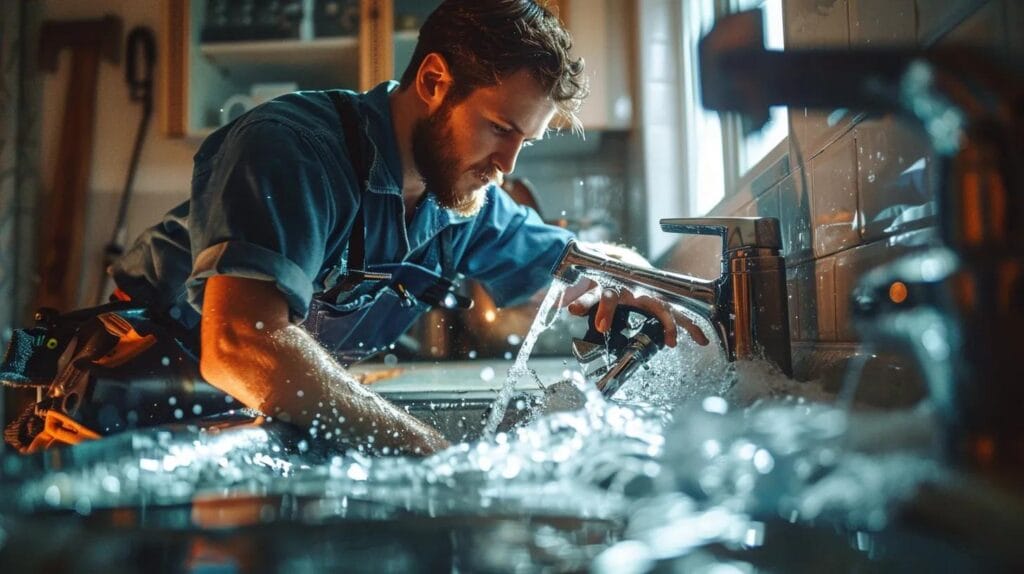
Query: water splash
547	313
697	452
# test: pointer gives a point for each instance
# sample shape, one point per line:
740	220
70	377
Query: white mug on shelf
238	104
235	106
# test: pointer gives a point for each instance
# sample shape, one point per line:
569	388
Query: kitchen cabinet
603	35
222	56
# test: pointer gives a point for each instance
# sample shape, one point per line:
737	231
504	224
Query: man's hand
585	294
608	299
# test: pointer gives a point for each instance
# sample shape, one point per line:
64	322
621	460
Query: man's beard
432	145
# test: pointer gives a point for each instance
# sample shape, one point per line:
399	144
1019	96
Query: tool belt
103	370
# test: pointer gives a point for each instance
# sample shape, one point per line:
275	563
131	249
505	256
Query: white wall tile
937	17
895	169
825	298
883	22
795	217
815	23
834	198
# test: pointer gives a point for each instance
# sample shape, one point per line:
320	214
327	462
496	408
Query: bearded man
322	223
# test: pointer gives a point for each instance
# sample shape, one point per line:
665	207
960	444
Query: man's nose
505	157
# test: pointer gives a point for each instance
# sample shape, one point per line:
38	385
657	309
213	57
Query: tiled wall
853	192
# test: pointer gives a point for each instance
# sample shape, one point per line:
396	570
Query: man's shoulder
309	112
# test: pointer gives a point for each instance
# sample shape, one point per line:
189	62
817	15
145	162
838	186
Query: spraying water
546	316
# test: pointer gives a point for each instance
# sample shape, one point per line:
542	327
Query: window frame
734	179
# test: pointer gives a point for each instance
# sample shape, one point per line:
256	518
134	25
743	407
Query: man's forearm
251	350
310	389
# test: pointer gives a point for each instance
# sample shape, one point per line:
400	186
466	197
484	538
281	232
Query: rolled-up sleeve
511	250
266	212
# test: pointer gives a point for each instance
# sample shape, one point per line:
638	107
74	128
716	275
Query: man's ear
433	80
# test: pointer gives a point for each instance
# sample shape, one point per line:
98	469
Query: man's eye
501	130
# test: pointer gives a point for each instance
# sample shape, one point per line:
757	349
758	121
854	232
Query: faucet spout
746	306
698	295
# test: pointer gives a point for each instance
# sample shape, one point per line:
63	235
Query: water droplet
166	361
487	374
52	495
259	325
300	393
716	405
472	354
508	355
514	339
763	461
390	360
197	409
178	414
357	472
172	401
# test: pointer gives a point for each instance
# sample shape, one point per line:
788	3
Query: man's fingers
574	296
662	312
581	306
690	327
608	299
606	309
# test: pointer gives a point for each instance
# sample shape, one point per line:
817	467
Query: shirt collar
386	170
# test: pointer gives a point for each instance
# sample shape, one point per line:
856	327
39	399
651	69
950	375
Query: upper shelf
319	51
300	61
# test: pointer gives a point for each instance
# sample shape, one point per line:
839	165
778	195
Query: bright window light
705	161
758	144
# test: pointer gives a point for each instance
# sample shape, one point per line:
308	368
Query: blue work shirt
274	197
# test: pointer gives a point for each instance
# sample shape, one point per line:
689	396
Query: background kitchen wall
851	192
164	169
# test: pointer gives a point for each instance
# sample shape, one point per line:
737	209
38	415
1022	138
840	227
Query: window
705	177
759	144
717	154
693	157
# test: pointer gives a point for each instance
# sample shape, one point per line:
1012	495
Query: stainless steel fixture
746	305
957	309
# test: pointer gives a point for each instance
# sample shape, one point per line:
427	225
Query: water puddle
695	453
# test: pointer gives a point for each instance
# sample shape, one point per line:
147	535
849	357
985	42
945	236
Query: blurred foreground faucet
746	305
957	309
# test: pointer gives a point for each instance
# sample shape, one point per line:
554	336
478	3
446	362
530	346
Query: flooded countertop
468	379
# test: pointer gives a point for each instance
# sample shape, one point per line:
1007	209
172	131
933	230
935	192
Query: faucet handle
736	232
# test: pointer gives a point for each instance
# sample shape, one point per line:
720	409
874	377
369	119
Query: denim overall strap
356	261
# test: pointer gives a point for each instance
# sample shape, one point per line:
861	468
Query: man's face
462	148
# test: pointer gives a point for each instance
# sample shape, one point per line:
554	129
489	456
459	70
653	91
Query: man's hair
485	41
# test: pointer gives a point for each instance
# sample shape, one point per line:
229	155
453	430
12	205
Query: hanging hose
140	59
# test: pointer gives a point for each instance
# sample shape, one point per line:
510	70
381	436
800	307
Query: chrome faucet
746	305
958	308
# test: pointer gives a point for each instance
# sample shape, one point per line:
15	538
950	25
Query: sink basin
292	534
574	491
455	397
